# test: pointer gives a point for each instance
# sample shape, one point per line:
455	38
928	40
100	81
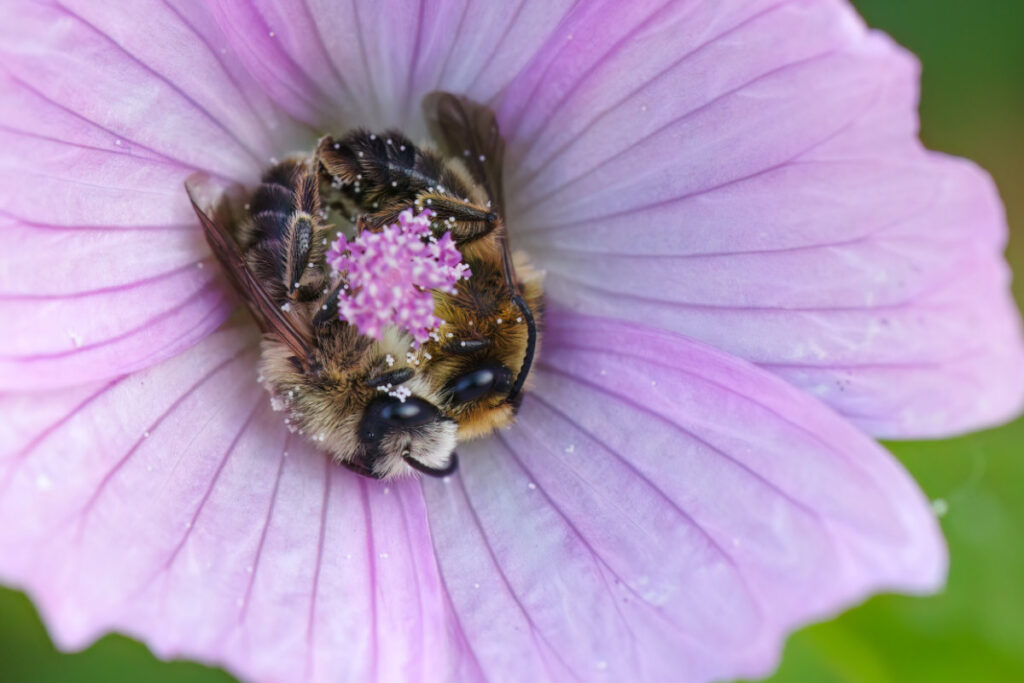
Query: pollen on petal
391	274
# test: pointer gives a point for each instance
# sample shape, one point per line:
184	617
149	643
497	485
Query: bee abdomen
272	198
270	226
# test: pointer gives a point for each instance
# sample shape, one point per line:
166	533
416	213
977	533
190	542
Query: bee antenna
531	346
453	464
531	324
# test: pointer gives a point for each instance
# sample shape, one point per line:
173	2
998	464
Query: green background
972	105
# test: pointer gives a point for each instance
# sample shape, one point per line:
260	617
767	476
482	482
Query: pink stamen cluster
390	276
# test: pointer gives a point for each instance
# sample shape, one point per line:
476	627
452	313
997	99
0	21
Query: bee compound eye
479	382
387	414
409	413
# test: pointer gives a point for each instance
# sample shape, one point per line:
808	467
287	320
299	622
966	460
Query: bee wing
469	131
269	315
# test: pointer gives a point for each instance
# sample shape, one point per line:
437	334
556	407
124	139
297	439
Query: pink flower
752	265
390	275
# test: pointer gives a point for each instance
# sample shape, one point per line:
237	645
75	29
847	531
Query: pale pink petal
353	62
665	511
748	173
102	117
172	505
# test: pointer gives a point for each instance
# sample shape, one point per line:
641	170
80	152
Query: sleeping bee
380	408
482	355
318	368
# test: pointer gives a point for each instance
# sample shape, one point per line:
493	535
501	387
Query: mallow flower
753	268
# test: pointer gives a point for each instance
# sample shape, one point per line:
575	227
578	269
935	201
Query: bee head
397	434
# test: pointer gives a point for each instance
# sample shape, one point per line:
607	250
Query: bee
379	407
355	396
479	361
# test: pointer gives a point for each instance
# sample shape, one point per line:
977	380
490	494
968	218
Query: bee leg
304	231
466	221
328	312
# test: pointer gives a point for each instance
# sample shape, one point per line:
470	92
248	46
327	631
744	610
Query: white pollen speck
337	145
643	107
531	486
604	372
76	339
383	556
360	155
188	525
476	585
117	142
274	160
465	152
43	483
389	359
654	383
388	141
348	556
199	264
402	148
394	183
249	569
324	307
285	454
247	207
462	343
482	158
373	136
145	434
387	490
940	507
519	319
286	307
570	448
272	34
601	665
498	321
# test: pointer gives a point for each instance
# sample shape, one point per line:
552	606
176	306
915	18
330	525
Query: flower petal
342	64
748	174
173	505
102	117
664	511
